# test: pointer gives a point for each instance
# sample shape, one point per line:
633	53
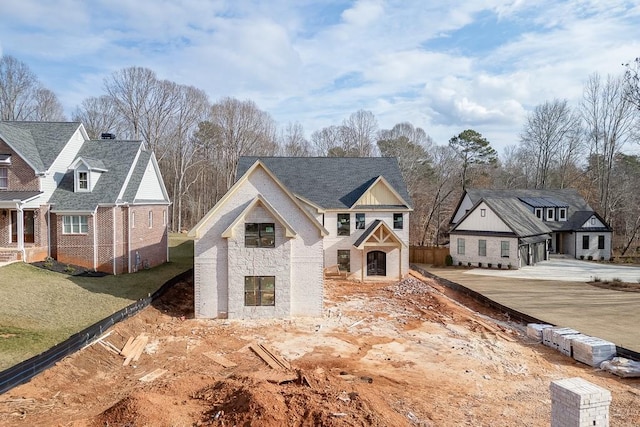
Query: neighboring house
98	204
261	250
522	227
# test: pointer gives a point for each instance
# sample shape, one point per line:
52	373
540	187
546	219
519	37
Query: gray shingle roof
39	143
517	217
559	197
331	182
118	157
367	233
9	196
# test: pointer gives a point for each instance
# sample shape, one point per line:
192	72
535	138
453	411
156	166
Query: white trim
113	227
95	242
128	178
289	231
389	187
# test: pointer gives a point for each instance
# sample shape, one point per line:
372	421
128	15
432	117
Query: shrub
509	266
601	258
582	257
469	264
448	261
489	265
69	269
590	257
480	264
48	262
459	263
616	280
597	279
500	265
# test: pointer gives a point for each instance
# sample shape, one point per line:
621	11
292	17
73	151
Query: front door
376	263
29	234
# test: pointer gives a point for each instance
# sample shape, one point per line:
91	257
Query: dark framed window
549	214
585	242
360	221
397	221
504	249
460	246
562	214
344	260
539	213
482	247
83	180
4	178
483	212
259	291
344	224
600	242
259	235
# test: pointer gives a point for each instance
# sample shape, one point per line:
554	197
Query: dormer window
562	214
83	180
549	214
539	213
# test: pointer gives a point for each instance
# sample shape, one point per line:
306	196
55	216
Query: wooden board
127	347
269	360
282	362
153	375
144	340
220	360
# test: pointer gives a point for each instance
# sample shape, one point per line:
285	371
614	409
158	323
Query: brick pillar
578	403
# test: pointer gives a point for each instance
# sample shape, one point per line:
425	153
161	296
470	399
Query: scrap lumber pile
270	357
133	349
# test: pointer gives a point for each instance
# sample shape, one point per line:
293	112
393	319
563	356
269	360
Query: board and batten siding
465	206
476	222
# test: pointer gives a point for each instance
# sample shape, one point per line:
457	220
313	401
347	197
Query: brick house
261	250
99	204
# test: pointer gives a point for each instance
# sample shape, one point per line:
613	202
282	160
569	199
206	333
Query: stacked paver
583	348
578	403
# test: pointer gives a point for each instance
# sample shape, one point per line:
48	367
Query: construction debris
133	349
270	357
593	351
153	375
220	360
534	330
622	367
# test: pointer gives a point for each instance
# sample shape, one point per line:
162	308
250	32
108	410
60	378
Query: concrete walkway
571	270
602	313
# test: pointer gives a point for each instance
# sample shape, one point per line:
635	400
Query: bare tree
292	141
241	128
608	118
551	138
98	115
326	139
359	133
22	97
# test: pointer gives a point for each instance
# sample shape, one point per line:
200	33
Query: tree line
198	144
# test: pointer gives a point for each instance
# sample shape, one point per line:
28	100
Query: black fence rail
513	314
24	371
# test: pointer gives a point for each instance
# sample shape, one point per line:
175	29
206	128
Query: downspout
129	239
49	232
166	230
95	240
113	226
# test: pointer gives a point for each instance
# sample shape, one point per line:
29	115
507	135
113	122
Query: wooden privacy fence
434	255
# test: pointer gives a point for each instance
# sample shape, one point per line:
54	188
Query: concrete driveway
602	313
569	270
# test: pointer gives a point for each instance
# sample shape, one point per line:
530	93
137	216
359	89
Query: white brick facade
492	254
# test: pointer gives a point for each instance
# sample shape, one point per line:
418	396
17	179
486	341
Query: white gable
593	222
150	187
380	193
462	210
482	218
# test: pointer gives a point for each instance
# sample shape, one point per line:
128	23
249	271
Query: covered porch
19	224
381	253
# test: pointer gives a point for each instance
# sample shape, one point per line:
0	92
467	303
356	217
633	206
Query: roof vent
107	136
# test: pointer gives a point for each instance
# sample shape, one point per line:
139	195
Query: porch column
400	264
20	229
362	267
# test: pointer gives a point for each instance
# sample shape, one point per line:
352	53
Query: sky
444	66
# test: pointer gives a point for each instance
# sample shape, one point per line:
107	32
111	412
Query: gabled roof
38	143
118	158
259	200
383	229
580	218
91	164
332	182
18	196
515	216
195	231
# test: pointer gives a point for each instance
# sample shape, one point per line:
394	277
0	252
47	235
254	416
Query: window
164	217
83	180
483	212
539	213
74	224
585	242
133	220
600	242
482	247
4	178
562	214
360	221
460	246
259	290
397	221
504	249
549	214
259	235
150	219
593	221
344	260
344	226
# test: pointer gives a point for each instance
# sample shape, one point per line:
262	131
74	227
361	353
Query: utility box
578	403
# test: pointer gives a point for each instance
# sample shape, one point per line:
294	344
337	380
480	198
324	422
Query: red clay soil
384	354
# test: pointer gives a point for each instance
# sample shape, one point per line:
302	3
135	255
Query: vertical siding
150	188
476	222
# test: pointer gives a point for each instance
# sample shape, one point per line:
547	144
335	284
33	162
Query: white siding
476	222
333	242
58	168
593	250
150	187
296	263
593	222
465	205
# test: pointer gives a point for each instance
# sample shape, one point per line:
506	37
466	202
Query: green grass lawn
40	308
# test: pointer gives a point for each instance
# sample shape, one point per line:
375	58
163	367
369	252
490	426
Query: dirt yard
392	354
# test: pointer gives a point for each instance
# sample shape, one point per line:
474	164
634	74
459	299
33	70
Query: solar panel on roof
543	202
